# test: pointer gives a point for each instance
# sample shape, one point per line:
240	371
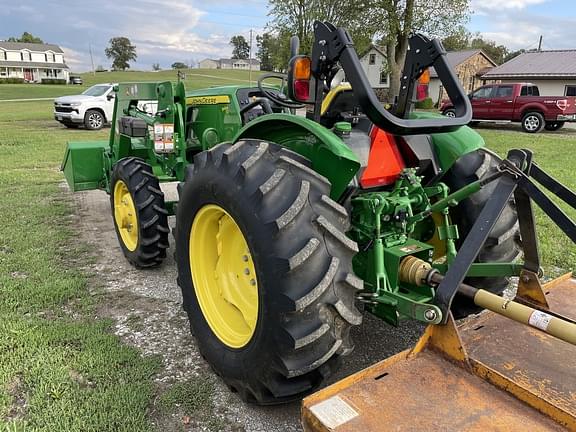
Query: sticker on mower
163	138
540	320
333	412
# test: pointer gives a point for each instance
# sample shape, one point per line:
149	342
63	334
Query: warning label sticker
333	412
540	320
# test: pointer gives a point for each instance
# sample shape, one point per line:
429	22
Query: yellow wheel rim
224	276
125	215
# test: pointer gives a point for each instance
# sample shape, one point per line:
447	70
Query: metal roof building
554	71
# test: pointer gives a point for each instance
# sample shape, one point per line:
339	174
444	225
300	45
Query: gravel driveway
146	308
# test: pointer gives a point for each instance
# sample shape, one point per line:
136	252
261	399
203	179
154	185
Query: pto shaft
418	272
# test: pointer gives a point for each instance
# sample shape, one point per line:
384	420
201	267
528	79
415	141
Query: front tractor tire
265	270
502	244
139	213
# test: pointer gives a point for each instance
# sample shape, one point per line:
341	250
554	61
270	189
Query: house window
383	77
472	83
4	72
2	55
570	90
372	59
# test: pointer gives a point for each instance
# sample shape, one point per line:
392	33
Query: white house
32	62
209	64
374	64
242	64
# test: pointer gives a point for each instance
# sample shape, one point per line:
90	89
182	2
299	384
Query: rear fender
534	107
329	155
450	146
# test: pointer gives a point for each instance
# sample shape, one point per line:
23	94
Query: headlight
76	104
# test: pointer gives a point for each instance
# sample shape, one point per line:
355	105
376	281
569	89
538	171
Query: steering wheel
278	98
262	101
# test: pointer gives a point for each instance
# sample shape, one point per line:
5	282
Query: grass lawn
195	78
556	154
59	368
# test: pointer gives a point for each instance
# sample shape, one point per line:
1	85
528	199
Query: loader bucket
489	373
83	165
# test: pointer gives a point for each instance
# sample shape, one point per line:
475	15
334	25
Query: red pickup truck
519	102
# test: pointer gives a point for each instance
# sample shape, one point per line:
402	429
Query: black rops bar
333	45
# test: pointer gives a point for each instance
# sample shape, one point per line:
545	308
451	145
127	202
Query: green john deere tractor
286	224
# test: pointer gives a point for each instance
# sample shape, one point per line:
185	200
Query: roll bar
332	45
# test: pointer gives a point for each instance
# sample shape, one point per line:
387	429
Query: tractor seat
340	104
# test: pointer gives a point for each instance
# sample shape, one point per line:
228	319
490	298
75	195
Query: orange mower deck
487	374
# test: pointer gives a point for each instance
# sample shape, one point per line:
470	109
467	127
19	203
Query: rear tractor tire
502	244
139	213
265	270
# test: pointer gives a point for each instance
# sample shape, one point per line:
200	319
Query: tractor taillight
301	83
302	90
562	104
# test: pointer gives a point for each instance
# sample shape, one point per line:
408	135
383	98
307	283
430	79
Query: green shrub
11	80
427	103
53	81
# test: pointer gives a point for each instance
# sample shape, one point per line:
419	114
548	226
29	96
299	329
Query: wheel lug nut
252	282
245	258
246	271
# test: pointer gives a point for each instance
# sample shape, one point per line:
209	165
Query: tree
394	20
457	41
513	54
155	66
266	44
296	18
27	38
462	39
121	51
241	48
179	65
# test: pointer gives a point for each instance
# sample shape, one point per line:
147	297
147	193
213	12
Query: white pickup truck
93	108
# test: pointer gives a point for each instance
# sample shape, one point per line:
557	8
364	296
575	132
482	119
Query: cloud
487	7
163	31
521	29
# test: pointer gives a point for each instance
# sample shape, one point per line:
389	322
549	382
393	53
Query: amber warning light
301	74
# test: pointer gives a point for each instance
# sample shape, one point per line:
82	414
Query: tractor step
490	373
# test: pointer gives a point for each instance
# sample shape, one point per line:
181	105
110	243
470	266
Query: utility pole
250	60
540	44
91	59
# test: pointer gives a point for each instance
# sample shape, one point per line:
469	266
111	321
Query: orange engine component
385	162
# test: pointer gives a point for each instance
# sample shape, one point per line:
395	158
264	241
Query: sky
167	31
